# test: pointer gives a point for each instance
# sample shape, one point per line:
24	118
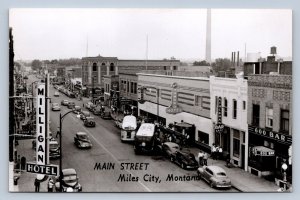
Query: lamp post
284	168
60	142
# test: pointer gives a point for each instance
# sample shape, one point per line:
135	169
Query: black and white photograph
150	100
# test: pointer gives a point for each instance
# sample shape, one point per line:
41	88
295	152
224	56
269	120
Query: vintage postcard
150	100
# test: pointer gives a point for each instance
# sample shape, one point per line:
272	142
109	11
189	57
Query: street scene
221	122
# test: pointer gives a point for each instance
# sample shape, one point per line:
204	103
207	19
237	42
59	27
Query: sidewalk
240	179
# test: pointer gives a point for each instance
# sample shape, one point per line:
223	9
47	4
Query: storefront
268	150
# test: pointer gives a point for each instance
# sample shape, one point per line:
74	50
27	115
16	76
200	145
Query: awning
184	125
263	151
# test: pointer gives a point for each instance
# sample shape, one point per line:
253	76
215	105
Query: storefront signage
174	108
219	127
40	125
287	139
51	170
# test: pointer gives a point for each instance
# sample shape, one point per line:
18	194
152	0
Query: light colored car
56	94
84	115
55	107
64	102
77	110
215	176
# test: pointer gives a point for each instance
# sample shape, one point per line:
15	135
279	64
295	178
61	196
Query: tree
221	64
201	63
36	65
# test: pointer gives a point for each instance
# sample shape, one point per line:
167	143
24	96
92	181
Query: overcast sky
65	33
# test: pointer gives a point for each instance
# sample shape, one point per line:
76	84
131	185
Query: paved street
107	148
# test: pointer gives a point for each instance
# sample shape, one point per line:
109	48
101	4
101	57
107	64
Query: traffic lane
158	163
84	161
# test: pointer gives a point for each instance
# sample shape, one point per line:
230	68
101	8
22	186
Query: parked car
215	176
185	160
89	105
55	107
84	115
106	115
97	110
64	102
77	110
89	122
82	140
69	180
169	148
71	104
56	94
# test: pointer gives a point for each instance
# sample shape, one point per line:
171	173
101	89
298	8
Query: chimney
233	58
238	58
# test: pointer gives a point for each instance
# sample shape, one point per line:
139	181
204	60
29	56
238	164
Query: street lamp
60	142
284	168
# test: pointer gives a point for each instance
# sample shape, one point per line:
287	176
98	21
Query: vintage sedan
215	176
64	102
55	107
54	149
170	148
77	110
71	104
89	105
89	122
56	94
118	122
185	160
106	115
69	181
82	140
84	115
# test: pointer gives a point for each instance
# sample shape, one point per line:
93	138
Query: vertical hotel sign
41	125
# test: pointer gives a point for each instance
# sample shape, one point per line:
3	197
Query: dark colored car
69	180
64	102
54	152
82	140
84	115
185	160
71	104
170	148
106	115
215	176
89	122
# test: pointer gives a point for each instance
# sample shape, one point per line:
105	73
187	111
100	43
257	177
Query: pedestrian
213	151
220	153
217	153
205	157
37	185
200	158
50	184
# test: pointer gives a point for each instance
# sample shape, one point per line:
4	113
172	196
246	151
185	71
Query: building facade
229	117
178	98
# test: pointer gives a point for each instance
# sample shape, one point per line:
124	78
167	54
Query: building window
131	87
203	137
124	86
255	115
174	67
244	105
225	107
127	90
285	120
165	67
269	117
135	88
236	143
112	67
234	108
198	100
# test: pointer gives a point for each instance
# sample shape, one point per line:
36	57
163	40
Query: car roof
216	168
81	133
90	117
53	142
69	171
171	144
86	112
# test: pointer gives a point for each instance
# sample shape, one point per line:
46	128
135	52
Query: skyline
179	33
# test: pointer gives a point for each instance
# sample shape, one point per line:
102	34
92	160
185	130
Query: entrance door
243	156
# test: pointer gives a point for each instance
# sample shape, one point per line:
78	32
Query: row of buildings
249	116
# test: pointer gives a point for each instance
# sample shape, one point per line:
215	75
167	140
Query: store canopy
184	125
263	151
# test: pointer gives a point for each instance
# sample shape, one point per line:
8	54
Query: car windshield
70	178
83	137
221	174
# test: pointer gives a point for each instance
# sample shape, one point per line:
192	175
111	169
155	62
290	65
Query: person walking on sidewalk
205	157
50	185
200	158
37	185
220	153
213	151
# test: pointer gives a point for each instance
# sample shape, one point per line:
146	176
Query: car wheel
211	184
172	159
182	166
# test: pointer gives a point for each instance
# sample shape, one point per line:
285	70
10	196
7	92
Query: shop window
234	109
269	117
236	147
225	107
203	137
285	120
255	115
